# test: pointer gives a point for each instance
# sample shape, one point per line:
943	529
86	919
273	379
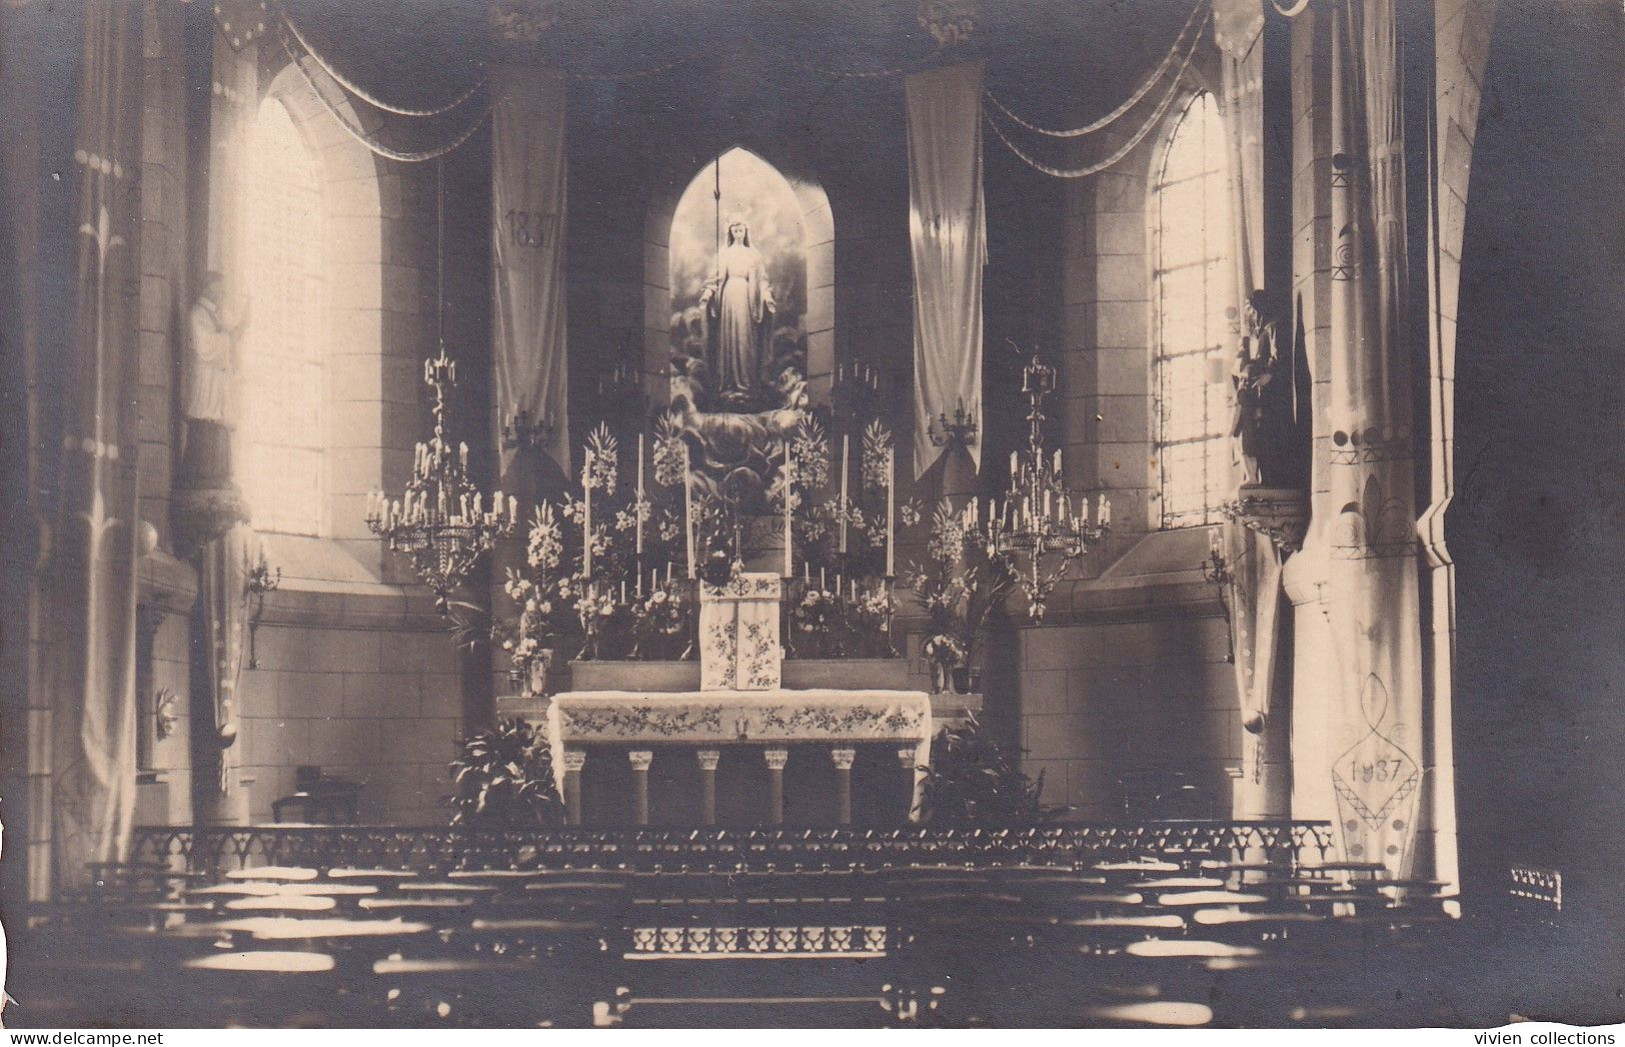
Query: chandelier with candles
1039	526
442	522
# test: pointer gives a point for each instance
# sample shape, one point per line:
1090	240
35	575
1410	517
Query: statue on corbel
1262	432
207	500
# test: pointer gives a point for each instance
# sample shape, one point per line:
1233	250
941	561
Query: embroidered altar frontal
739	634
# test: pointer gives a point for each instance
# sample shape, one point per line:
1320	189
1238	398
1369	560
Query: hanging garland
1138	137
1133	100
373	146
371	99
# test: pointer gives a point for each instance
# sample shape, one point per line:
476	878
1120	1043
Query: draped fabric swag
528	165
1373	600
1255	565
92	584
948	230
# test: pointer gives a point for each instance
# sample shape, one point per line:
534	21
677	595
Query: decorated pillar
1378	727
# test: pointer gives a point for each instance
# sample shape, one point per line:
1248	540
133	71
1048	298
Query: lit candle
1106	513
462	455
891	506
586	515
688	512
1057	461
513	507
638	507
1013	469
789	567
846	449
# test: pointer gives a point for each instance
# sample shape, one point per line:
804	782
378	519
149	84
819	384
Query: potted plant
974	780
504	779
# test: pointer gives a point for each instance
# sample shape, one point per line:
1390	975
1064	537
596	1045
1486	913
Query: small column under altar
776	759
843	759
708	760
574	761
640	760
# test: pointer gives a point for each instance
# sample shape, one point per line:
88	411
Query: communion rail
218	849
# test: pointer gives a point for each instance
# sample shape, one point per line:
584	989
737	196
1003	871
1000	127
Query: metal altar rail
219	849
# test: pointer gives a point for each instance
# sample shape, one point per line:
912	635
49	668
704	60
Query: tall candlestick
789	491
638	508
891	506
586	516
688	513
846	449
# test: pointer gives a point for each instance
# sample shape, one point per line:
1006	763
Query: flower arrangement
660	623
960	584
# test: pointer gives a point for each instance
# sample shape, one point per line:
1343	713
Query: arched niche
744	171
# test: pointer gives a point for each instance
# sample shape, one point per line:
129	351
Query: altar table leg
574	761
776	759
708	759
641	759
843	784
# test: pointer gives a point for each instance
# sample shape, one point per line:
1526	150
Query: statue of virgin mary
738	302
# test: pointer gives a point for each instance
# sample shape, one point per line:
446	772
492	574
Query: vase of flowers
945	654
960	584
659	623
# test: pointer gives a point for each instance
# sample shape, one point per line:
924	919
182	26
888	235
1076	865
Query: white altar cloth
705	719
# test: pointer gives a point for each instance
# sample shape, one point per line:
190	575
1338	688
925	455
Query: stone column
641	759
843	784
776	759
708	759
574	761
905	759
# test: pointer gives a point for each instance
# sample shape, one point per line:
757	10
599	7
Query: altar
709	721
741	704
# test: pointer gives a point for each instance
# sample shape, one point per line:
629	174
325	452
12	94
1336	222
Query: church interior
1064	513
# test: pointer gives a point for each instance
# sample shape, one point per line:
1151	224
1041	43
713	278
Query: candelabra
1039	526
959	430
441	521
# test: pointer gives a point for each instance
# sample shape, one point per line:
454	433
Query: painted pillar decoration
948	232
1372	596
1255	594
528	207
90	600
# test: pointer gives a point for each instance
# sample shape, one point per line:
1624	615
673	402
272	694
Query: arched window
1192	287
281	437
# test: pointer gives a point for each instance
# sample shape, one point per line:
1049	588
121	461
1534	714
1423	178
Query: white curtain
948	230
528	168
1373	603
92	584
